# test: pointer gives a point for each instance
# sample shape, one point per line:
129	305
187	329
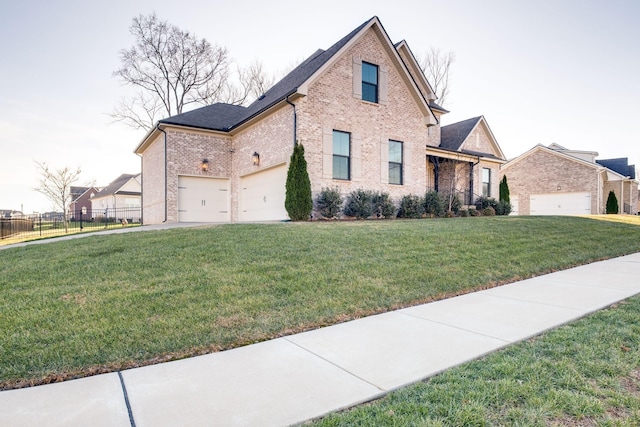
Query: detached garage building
555	180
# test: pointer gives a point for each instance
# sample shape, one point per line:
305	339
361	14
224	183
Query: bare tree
436	66
55	184
171	68
256	80
453	179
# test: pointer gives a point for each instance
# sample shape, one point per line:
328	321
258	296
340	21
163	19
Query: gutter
295	120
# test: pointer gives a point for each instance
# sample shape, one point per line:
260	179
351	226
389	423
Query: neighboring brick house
555	180
119	200
81	201
363	110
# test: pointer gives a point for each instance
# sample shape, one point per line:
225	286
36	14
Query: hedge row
362	204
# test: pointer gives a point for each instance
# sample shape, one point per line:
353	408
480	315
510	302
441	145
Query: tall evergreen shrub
504	190
612	203
298	201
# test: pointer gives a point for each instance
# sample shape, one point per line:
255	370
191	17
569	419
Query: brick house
555	180
120	199
81	201
364	112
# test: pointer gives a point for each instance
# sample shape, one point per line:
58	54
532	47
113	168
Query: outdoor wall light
204	165
256	158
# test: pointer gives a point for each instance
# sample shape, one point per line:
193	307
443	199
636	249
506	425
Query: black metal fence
28	227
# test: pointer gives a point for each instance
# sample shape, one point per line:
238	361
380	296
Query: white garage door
262	195
561	204
203	199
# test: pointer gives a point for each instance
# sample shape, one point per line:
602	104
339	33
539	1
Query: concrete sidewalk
296	378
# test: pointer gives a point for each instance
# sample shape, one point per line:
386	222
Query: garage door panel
578	203
203	199
262	195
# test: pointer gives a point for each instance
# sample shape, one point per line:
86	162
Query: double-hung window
395	162
486	182
369	82
341	155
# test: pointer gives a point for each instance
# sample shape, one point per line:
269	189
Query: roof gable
452	136
225	117
81	192
542	148
457	137
116	185
339	48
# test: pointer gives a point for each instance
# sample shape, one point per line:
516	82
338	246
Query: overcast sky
540	71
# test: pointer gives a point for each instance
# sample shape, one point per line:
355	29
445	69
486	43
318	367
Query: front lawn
583	374
104	303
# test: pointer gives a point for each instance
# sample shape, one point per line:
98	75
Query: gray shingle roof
452	136
115	185
620	165
217	117
226	116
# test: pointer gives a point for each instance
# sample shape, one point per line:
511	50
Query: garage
202	199
561	204
262	195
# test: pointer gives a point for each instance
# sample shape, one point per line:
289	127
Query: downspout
598	190
621	204
165	172
141	195
295	121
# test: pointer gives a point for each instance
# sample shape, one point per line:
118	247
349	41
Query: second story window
369	82
341	155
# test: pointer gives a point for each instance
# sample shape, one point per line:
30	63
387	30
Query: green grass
102	303
583	374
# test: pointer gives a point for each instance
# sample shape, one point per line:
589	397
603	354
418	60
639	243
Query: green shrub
504	190
433	204
329	202
488	211
383	206
463	212
359	204
298	201
411	206
503	208
612	203
474	212
455	203
485	202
